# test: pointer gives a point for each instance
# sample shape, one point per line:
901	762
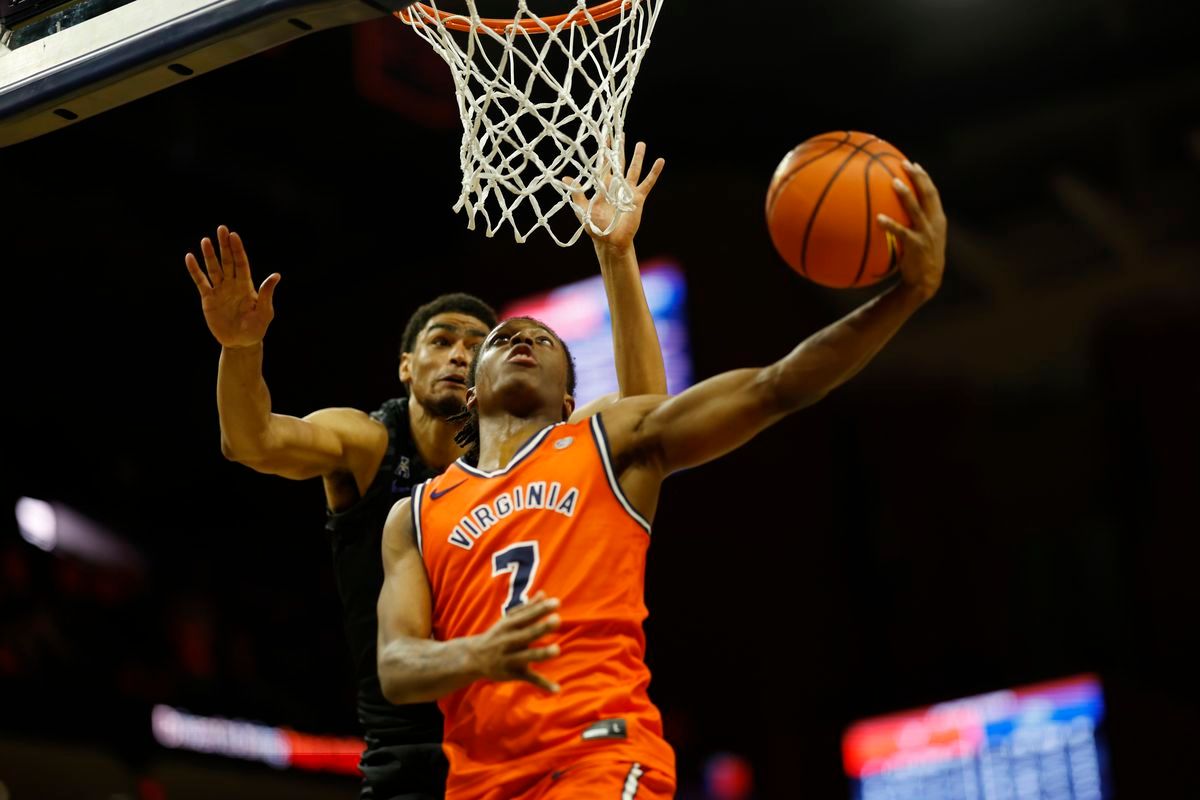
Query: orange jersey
553	520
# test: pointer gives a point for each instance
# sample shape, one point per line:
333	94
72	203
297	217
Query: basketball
822	204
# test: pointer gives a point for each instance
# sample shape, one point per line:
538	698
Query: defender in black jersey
369	461
403	758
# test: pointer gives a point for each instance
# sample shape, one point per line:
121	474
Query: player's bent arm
414	668
722	413
324	442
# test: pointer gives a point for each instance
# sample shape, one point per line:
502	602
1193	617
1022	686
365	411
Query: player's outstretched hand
923	246
504	652
236	314
621	236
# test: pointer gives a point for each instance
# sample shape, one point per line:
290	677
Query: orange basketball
822	204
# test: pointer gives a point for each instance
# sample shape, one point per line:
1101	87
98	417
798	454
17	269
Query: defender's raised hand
236	314
621	236
923	247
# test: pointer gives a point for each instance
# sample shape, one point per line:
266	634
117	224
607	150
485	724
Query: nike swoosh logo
435	494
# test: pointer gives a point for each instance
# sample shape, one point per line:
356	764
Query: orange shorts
591	781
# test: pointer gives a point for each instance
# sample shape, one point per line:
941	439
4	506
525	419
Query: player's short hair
468	435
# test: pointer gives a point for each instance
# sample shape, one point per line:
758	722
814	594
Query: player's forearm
243	402
832	356
420	670
636	348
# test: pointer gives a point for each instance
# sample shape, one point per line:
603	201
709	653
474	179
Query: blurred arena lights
54	527
281	748
37	523
579	313
728	776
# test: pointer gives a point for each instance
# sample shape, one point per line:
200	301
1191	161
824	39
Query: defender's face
523	360
435	372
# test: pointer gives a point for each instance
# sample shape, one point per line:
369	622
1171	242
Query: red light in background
324	753
398	72
728	776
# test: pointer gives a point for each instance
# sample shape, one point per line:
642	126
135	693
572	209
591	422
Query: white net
542	99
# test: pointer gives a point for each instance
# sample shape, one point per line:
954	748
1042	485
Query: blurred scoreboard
579	313
1038	742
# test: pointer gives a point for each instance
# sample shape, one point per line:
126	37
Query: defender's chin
446	401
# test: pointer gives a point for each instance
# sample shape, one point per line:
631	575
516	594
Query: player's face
435	372
523	366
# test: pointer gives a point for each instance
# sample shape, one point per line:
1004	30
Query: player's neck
500	438
433	436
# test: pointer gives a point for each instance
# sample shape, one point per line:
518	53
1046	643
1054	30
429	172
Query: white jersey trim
521	454
613	483
418	494
629	790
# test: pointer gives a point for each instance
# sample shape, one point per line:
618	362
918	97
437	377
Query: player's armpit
594	407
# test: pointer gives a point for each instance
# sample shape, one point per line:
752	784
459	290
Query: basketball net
541	99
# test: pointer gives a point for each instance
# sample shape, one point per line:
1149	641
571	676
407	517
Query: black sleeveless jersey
403	756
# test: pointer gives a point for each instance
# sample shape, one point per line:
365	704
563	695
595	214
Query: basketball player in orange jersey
537	554
368	461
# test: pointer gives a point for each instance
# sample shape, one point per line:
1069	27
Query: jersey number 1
520	561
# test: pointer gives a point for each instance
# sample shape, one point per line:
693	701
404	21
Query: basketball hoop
542	99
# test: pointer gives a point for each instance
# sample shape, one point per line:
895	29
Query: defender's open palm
236	314
602	211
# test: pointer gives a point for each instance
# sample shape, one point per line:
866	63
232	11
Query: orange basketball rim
578	16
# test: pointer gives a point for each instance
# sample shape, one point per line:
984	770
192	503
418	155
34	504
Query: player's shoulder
453	473
629	412
399	519
391	412
399	532
400	506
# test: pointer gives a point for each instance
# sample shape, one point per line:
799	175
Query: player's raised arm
414	668
636	348
326	441
724	412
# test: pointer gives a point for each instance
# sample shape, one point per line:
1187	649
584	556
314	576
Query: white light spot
37	522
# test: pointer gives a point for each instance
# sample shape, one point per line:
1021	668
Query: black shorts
404	772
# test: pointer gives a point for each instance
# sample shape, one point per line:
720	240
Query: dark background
1006	495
